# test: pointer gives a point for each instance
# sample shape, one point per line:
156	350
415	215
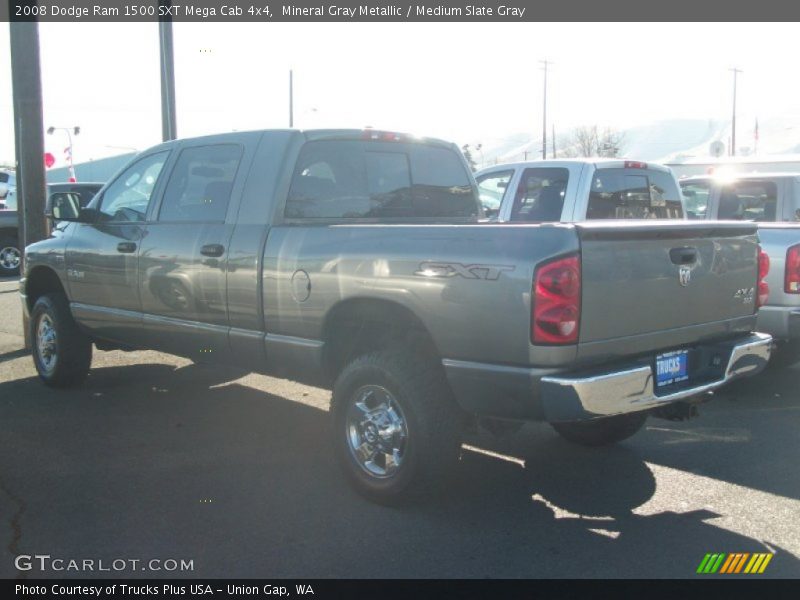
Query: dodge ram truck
361	261
772	200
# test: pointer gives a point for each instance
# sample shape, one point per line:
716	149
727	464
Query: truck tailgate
667	283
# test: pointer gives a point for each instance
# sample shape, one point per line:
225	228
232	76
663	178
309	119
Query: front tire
62	353
602	432
397	428
10	257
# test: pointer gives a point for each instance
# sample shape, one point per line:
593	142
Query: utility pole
169	125
291	98
26	84
28	130
733	119
546	63
554	140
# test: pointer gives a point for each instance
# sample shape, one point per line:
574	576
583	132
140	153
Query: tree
588	141
610	143
468	155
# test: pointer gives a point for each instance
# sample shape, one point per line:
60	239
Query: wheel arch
358	325
39	281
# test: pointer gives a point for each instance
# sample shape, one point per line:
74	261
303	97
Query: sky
466	82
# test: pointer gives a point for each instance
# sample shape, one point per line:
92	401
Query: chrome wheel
376	431
46	347
10	258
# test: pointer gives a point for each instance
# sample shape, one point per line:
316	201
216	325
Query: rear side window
376	180
633	194
540	195
200	185
747	200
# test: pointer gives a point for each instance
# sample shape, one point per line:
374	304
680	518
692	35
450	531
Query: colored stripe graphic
714	563
734	563
741	562
726	565
764	564
754	562
703	563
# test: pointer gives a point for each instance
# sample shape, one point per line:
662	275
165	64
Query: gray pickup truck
772	200
10	254
360	260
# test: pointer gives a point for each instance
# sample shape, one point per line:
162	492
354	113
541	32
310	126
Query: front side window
86	193
492	188
351	179
629	194
540	195
200	185
128	197
696	194
748	200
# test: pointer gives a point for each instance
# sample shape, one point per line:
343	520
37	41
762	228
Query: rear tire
601	432
784	354
397	429
62	353
10	256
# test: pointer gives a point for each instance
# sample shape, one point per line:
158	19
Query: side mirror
3	191
64	206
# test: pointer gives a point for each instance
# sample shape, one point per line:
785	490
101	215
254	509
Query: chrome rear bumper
629	390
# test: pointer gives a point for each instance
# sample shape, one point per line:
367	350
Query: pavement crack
16	520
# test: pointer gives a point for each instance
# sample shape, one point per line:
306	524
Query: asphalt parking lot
158	458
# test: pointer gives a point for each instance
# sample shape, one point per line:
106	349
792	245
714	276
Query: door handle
126	247
683	256
213	250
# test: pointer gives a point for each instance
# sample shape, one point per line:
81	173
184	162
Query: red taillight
763	264
763	270
381	136
791	278
556	302
635	164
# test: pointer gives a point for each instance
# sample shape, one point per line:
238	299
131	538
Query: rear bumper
632	390
552	395
781	322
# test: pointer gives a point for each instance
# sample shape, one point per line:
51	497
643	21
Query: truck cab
574	190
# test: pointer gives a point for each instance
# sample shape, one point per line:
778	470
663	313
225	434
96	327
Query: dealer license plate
672	367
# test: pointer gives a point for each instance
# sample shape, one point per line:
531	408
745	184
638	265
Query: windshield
634	194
